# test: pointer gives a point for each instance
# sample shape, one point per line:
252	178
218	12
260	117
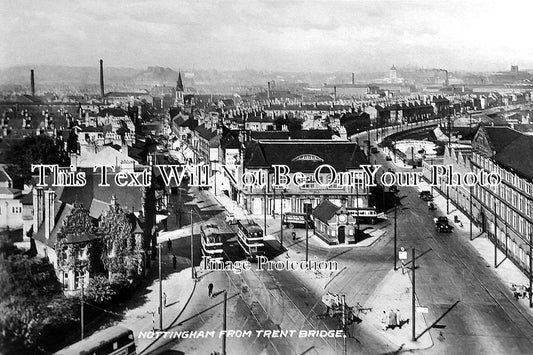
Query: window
78	279
65	280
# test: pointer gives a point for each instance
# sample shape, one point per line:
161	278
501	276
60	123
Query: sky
285	35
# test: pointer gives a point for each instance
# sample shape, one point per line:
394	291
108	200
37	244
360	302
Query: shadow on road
434	325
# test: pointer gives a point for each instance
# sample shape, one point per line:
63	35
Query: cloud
294	35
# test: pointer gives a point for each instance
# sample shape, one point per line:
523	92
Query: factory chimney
32	80
102	79
268	92
353	78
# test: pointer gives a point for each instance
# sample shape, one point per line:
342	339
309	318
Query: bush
100	290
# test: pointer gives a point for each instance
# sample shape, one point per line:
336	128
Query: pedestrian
515	291
169	244
174	261
384	320
293	235
164	300
393	320
210	289
399	318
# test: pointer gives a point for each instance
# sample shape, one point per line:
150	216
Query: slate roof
112	111
300	134
128	197
205	132
517	156
325	211
500	137
340	155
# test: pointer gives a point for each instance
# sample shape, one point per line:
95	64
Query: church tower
179	92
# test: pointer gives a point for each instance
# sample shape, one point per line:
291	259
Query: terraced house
506	212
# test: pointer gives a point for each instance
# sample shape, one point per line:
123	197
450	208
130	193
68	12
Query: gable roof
500	137
512	156
325	211
304	155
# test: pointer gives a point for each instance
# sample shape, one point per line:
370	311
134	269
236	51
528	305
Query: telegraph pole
224	323
343	300
395	230
192	248
413	298
160	290
306	237
265	211
281	222
495	238
530	270
447	199
82	282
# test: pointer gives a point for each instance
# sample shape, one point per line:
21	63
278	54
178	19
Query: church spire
179	84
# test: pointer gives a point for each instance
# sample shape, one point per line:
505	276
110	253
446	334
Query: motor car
388	158
426	196
442	225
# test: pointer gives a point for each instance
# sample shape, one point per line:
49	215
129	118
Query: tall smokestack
32	81
268	92
102	79
353	78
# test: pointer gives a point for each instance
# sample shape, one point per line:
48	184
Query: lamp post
413	298
192	248
530	269
281	221
395	230
160	246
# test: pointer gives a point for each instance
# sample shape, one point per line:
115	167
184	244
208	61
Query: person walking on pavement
164	300
384	320
174	261
399	318
169	244
393	319
210	289
293	235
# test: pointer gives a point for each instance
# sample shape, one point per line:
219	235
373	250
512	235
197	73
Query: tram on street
211	241
251	240
113	340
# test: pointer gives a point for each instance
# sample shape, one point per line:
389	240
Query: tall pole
471	216
343	300
160	291
192	248
281	222
447	199
495	238
530	270
413	298
306	237
82	282
265	211
395	230
224	323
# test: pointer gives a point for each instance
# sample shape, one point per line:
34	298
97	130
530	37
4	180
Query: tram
251	239
211	241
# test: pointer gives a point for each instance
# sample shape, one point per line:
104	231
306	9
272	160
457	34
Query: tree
79	226
33	149
31	301
121	251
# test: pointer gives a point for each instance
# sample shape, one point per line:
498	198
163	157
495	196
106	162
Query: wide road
483	317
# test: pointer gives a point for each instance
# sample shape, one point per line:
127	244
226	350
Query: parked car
425	196
374	150
442	225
